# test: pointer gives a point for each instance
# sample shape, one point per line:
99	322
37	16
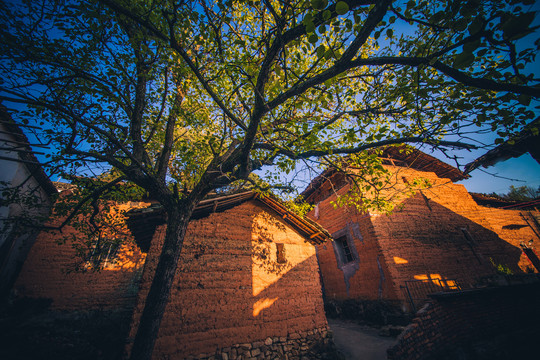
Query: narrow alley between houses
355	341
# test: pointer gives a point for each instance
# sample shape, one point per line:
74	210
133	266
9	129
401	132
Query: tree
521	193
183	98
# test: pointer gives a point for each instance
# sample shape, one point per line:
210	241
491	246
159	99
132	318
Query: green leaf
342	7
319	4
389	33
476	25
327	14
524	99
328	54
461	24
313	38
320	51
438	16
310	27
517	25
470	47
463	60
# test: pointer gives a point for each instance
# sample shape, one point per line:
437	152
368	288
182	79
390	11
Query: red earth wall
438	233
49	273
230	289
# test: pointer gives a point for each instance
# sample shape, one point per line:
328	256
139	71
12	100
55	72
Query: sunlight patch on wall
399	260
127	259
267	267
262	304
437	279
433	277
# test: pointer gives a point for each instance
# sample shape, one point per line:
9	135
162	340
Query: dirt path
359	342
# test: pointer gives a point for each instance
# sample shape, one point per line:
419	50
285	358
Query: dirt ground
29	331
359	342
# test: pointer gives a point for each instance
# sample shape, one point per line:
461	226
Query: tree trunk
157	298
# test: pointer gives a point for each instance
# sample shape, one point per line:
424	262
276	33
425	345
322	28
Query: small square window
345	249
344	246
280	253
103	254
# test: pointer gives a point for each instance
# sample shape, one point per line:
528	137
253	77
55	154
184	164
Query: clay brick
421	241
48	273
242	299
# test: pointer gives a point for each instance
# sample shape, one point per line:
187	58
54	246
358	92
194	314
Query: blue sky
523	171
517	172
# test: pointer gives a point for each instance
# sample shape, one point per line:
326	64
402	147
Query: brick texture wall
438	233
489	323
49	273
514	227
230	289
368	277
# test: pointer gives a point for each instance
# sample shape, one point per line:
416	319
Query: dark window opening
280	253
345	245
103	254
345	249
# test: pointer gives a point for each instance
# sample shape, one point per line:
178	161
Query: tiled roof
395	155
142	222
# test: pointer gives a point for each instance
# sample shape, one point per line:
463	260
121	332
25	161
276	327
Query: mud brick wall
514	227
230	289
366	277
441	233
49	273
437	233
490	323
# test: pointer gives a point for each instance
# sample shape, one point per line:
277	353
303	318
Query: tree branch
165	155
94	195
343	151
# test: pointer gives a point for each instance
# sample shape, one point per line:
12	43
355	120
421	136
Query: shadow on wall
490	323
427	241
48	273
426	247
274	255
244	277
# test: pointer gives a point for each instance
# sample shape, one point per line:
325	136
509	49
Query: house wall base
315	344
499	322
376	312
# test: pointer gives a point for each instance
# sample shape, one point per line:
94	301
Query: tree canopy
185	97
520	193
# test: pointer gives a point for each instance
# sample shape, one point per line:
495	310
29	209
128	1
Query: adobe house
247	284
33	194
439	238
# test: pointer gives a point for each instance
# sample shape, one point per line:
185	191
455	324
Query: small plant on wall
501	268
